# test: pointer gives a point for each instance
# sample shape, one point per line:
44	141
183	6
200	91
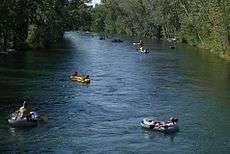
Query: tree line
39	23
205	24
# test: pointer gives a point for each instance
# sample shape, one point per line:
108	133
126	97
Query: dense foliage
39	23
78	15
202	23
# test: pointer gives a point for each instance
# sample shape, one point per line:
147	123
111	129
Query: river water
126	86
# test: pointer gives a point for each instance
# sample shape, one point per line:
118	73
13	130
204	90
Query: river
126	86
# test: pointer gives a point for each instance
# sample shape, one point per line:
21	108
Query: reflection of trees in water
199	68
20	73
228	76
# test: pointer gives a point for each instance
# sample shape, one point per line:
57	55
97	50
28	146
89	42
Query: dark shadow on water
76	83
150	134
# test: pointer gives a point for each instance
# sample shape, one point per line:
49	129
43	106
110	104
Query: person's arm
19	112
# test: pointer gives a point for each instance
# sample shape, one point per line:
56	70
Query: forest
205	24
39	23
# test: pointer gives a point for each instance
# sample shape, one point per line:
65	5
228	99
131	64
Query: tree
201	23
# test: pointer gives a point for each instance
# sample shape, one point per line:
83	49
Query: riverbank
225	56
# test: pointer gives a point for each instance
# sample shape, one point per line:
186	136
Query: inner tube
80	79
30	121
172	47
161	126
142	50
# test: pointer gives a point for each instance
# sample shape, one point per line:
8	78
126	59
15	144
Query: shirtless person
24	111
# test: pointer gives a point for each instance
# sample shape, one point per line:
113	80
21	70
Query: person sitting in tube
24	111
75	74
86	77
141	44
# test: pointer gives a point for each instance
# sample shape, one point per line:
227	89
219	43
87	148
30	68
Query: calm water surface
126	86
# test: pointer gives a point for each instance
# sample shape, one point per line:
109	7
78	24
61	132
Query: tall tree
201	23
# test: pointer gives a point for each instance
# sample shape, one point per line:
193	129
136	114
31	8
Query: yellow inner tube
79	79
